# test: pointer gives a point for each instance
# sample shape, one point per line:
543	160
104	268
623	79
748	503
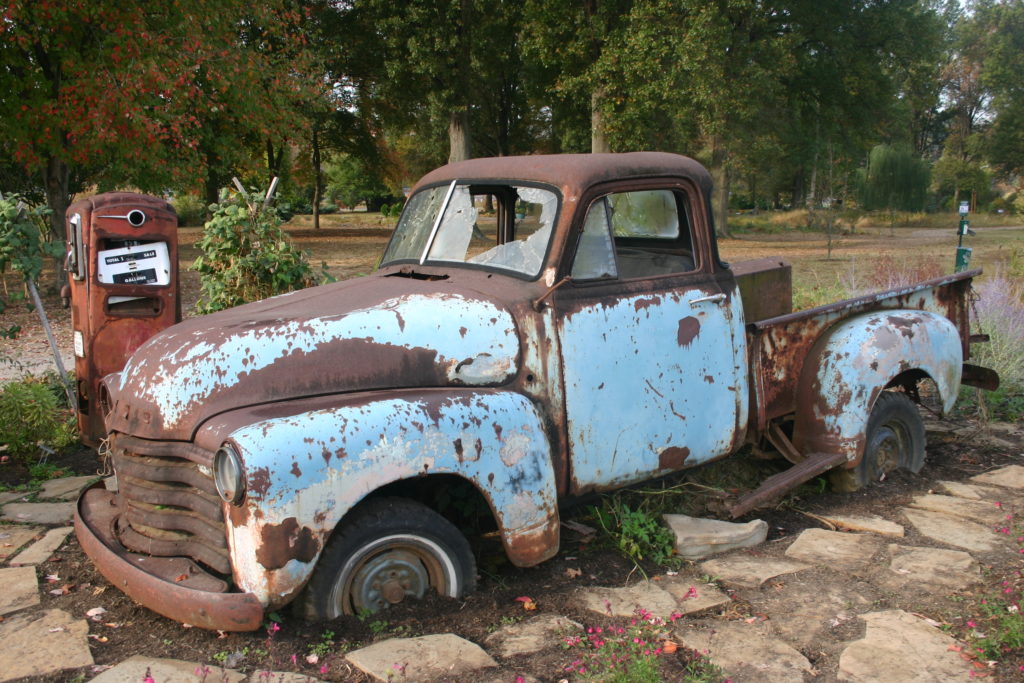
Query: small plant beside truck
540	328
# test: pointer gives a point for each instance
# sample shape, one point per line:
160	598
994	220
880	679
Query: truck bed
778	340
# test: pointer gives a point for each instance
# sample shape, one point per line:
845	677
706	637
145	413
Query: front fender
856	360
306	471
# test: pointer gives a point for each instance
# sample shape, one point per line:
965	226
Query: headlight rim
228	455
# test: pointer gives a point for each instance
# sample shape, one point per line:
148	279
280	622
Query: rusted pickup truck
539	328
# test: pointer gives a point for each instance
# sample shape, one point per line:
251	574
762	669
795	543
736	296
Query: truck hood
377	332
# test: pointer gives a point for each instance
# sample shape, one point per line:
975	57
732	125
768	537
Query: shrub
31	413
246	256
190	208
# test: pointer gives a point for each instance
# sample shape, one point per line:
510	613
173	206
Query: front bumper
175	587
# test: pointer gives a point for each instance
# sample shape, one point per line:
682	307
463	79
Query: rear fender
856	360
305	471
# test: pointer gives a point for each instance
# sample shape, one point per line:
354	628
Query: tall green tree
895	179
1000	24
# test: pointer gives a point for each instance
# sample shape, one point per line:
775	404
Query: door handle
711	299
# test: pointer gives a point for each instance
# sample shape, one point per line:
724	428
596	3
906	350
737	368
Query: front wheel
385	552
894	438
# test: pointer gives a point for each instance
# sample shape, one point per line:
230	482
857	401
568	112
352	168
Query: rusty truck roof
577	171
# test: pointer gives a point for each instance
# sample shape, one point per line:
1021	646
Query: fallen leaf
112	624
52	578
573	573
186	625
58	629
63	590
181	577
954	648
528	603
98	589
102	639
668	647
221	634
95	613
313	658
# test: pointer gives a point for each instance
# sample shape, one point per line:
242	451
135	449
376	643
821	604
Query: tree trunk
458	136
57	198
598	139
56	182
318	180
720	189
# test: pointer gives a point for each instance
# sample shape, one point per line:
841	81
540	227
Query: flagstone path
856	566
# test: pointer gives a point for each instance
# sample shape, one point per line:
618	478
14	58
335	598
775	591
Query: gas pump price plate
143	264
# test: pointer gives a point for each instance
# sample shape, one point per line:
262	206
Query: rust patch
326	453
285	542
458	450
645	302
709	379
463	331
688	329
672	458
295	470
259	481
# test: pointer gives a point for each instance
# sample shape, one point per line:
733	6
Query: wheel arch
859	358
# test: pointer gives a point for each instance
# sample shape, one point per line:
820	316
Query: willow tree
895	179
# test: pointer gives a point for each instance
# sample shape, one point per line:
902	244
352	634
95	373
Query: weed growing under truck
582	336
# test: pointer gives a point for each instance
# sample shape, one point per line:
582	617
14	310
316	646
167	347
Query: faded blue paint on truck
857	359
307	470
661	378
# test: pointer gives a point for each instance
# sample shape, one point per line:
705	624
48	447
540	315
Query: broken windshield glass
502	226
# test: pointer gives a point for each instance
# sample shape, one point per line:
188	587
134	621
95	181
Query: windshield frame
422	257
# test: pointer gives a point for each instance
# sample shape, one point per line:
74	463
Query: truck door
653	356
123	281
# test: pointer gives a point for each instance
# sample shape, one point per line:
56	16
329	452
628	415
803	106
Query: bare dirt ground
956	451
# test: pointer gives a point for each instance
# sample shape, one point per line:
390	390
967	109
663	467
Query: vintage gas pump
123	278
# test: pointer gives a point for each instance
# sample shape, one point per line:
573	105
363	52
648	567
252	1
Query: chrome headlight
227	474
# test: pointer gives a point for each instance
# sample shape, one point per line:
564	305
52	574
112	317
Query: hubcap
889	447
388	579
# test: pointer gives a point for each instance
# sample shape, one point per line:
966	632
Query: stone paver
975	510
13	536
747	571
66	488
971	491
953	530
747	653
20	589
41	550
133	670
693	596
697	538
869	523
624	602
1010	477
427	658
950	569
834	548
802	615
11	496
280	677
901	647
40	643
39	513
530	636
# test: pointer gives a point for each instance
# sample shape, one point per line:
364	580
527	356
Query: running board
777	484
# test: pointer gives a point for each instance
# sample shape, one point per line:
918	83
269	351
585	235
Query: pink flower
323	669
970	622
999	505
295	659
692	593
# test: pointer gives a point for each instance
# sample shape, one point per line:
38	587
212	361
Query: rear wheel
894	439
385	552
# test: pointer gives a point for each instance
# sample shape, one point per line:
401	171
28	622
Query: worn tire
386	551
894	438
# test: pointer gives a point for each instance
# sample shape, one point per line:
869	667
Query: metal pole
69	390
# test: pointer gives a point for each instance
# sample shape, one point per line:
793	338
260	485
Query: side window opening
634	235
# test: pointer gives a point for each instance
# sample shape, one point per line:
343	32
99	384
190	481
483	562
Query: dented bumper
175	587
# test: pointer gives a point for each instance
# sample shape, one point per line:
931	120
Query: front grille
171	507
